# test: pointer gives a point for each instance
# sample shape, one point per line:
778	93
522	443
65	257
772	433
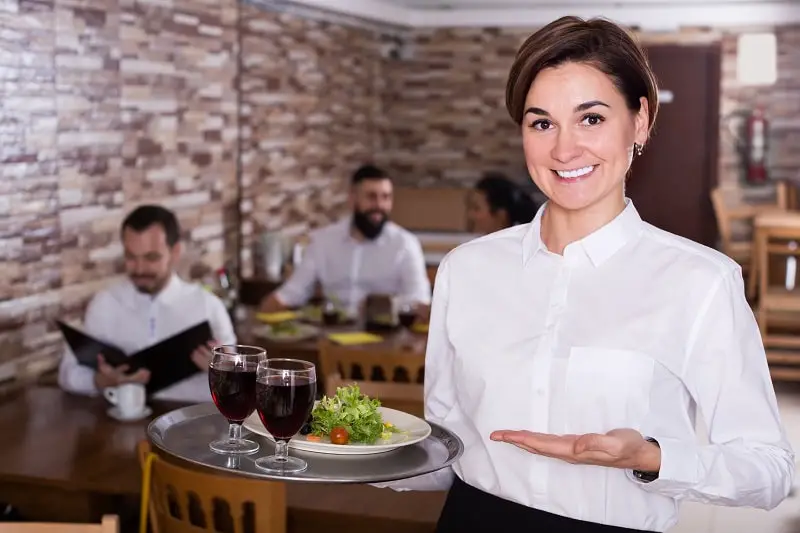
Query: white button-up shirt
350	269
632	327
130	320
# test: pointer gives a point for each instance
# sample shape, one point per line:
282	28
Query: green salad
285	329
353	412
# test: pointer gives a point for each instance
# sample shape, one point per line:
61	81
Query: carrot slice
313	438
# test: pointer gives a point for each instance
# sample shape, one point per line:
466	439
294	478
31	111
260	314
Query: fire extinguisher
756	147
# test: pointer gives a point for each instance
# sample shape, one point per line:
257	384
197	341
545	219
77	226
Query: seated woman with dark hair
496	203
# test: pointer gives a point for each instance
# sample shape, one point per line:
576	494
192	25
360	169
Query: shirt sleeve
414	283
299	287
748	461
73	376
220	321
439	384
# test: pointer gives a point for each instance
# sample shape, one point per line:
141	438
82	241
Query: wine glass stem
235	432
281	450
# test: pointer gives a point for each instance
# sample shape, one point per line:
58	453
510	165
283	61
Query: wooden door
671	182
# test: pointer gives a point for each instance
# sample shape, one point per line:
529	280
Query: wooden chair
777	238
181	500
340	365
740	248
109	524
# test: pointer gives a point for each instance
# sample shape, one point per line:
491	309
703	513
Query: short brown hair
597	42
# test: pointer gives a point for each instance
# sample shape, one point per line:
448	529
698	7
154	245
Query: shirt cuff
680	467
80	380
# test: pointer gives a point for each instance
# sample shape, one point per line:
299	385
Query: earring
638	148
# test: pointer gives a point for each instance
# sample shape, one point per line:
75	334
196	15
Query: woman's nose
566	147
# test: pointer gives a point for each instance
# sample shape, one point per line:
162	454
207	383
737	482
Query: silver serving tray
186	432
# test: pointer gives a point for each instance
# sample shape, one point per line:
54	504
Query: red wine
406	319
233	390
284	405
330	318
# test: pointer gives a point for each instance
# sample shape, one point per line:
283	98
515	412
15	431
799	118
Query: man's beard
149	284
369	228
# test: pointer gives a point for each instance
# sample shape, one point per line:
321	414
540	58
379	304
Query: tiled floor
785	518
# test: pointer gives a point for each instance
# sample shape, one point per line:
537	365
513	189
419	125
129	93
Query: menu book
168	361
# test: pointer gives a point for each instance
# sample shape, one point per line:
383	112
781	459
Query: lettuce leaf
351	410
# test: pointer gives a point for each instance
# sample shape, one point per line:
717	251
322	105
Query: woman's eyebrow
578	108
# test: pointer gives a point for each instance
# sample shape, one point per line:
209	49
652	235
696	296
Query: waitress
573	354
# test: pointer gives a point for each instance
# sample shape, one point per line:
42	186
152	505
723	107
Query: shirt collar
599	245
343	227
171	291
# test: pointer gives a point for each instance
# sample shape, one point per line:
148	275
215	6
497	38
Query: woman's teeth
576	173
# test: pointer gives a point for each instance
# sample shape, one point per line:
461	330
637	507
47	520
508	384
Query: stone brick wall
311	102
445	104
106	104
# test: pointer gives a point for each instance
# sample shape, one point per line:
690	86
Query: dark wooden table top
307	349
50	438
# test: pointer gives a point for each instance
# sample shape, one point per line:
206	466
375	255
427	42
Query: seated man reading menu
151	305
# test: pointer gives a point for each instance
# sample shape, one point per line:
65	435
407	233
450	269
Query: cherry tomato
339	435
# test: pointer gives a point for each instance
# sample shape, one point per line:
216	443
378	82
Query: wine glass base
234	447
278	465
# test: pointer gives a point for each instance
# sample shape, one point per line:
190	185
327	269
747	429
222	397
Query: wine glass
330	314
406	315
232	380
285	393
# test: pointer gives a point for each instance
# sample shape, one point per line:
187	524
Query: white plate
303	332
413	429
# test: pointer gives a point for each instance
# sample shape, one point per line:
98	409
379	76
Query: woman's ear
642	122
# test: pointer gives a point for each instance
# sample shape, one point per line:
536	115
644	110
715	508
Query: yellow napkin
276	318
420	328
356	337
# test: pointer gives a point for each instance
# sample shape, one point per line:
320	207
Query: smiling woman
572	354
585	110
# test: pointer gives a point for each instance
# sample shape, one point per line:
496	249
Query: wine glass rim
260	350
302	362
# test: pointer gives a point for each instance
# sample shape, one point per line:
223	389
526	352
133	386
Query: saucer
115	413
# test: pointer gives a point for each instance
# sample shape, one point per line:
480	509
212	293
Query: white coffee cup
128	397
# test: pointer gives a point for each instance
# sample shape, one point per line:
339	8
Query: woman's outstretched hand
619	448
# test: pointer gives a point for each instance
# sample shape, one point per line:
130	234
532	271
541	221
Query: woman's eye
541	124
592	119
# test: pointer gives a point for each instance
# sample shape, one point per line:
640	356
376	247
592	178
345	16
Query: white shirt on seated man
151	305
362	254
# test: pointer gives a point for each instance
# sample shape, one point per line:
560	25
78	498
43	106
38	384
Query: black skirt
471	509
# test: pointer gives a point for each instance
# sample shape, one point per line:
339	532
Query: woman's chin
573	202
586	197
